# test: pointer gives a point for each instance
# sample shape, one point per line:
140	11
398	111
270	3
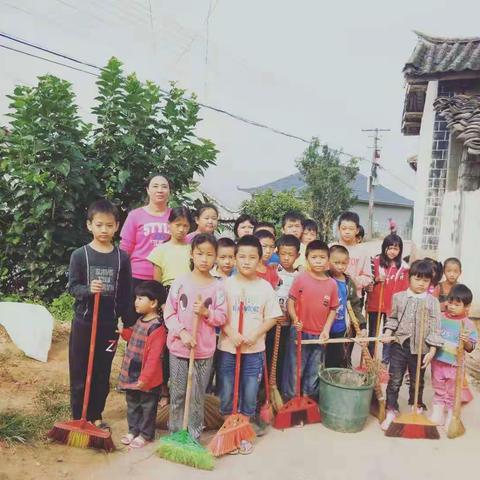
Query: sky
309	68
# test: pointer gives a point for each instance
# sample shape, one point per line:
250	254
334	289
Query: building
442	106
388	204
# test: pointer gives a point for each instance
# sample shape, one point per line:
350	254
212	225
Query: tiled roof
462	113
382	195
434	56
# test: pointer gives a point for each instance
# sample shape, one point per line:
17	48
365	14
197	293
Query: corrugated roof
382	195
434	56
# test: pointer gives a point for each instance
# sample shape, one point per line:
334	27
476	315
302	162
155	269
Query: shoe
246	448
259	426
448	418
102	425
138	442
438	414
127	439
389	418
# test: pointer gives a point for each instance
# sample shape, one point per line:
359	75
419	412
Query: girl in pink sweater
196	293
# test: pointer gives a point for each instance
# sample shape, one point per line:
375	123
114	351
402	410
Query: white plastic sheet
29	327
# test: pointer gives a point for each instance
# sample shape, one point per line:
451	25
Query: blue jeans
312	358
251	371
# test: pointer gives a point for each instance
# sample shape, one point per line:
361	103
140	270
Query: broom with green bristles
181	447
82	433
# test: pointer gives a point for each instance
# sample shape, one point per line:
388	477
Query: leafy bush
61	308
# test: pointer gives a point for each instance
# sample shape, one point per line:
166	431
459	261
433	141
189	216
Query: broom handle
191	366
457	405
91	356
317	341
419	356
379	321
265	376
238	358
298	384
276	346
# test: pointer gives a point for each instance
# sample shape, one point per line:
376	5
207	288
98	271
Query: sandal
234	452
127	439
138	442
246	448
103	425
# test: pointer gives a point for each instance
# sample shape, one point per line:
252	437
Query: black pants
142	412
338	355
105	347
402	359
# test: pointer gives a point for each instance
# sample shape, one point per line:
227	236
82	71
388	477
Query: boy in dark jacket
339	354
98	267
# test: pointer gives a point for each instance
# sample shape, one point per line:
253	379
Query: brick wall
437	177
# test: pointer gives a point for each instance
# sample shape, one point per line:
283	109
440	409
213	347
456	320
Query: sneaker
259	426
246	448
389	418
127	439
448	418
438	414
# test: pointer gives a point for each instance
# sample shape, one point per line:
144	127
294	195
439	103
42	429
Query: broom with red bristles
299	410
414	424
237	427
82	433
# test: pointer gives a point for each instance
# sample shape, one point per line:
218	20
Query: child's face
392	252
419	284
144	305
293	227
226	259
179	229
203	257
247	260
318	260
457	308
268	247
103	227
338	263
452	272
348	231
244	228
207	221
287	255
308	236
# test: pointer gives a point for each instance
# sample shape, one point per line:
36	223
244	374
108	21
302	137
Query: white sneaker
389	418
438	414
448	418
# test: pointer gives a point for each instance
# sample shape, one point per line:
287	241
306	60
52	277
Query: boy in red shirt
318	295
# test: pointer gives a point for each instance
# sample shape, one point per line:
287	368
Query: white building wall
424	161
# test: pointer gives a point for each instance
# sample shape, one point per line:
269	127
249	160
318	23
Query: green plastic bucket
345	397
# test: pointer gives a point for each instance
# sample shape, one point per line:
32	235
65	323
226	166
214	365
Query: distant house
442	106
388	204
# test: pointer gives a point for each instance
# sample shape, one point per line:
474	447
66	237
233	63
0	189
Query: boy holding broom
261	310
404	322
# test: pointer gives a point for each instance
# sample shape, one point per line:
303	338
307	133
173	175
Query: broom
266	410
378	401
275	396
414	424
379	321
456	427
82	433
236	427
181	447
299	410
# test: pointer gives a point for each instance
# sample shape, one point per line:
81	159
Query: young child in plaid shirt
142	369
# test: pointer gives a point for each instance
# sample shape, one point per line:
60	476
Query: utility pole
372	179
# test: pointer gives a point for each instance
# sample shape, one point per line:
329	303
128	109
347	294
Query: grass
51	403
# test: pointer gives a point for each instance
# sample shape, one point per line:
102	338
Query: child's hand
362	334
428	358
465	336
200	309
237	339
251	339
187	339
96	286
369	288
140	385
386	338
298	326
119	326
325	335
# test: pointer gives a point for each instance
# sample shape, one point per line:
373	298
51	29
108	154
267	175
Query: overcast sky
309	68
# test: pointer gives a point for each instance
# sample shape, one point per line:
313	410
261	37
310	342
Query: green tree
45	181
270	206
328	184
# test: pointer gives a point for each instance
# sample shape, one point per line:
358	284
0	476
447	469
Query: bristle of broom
180	447
276	398
80	439
235	429
455	428
412	425
266	413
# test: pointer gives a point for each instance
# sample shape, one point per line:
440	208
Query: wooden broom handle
91	356
419	356
276	346
238	359
298	383
191	366
265	376
379	321
457	405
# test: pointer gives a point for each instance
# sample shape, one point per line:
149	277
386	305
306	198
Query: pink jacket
179	315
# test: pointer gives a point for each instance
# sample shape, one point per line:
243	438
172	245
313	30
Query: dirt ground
310	452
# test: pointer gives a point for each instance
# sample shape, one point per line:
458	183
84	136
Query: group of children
295	281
